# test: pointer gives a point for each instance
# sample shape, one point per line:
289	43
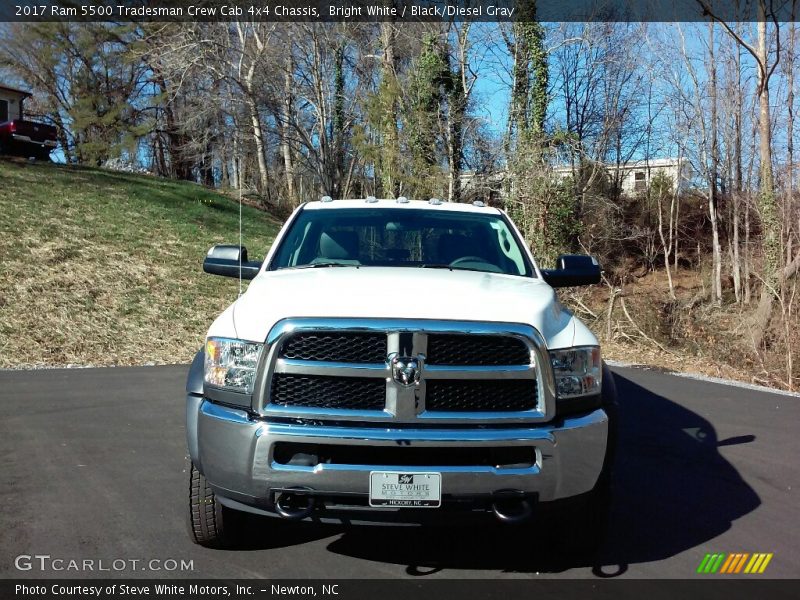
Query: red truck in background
19	136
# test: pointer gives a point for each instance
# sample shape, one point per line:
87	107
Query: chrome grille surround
406	404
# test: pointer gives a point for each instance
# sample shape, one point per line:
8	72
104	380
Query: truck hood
395	292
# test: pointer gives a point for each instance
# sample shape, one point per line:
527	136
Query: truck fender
611	406
194	383
194	398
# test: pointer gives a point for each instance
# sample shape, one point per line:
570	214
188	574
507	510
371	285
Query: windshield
385	237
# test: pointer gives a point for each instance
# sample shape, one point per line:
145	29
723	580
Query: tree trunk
738	182
789	69
390	167
736	264
258	138
519	91
667	248
207	169
716	255
338	141
181	167
770	221
454	142
676	230
286	148
746	268
62	139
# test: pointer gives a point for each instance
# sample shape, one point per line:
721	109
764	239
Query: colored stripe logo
734	563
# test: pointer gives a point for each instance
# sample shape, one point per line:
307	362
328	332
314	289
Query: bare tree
713	171
767	204
461	82
252	40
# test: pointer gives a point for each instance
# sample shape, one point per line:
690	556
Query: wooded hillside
292	111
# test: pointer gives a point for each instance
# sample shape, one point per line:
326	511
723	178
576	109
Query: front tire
210	523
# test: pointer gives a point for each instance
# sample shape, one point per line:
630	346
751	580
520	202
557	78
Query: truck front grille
456	372
346	346
480	396
353	393
477	350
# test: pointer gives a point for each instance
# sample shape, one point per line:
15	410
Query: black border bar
710	588
399	11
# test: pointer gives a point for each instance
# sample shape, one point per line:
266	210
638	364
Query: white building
636	176
11	100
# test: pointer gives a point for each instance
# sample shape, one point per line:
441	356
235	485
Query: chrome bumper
28	140
235	453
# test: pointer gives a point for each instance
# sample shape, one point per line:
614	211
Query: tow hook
511	507
295	505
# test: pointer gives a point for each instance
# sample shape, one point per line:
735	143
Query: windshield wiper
451	267
320	265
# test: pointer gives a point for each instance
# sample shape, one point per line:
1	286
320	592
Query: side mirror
225	260
572	270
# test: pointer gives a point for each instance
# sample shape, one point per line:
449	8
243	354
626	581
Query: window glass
402	238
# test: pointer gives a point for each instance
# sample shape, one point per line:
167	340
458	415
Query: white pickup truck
397	360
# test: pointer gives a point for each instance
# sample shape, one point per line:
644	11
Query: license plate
413	490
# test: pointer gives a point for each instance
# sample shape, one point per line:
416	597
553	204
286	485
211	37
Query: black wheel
210	523
43	154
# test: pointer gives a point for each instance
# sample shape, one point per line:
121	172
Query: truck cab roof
402	203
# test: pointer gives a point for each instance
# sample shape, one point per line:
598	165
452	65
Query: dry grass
689	334
104	268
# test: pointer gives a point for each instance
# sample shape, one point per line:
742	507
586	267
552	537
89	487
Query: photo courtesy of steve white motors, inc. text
194	590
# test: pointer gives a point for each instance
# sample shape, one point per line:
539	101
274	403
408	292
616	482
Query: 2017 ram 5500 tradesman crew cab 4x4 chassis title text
394	360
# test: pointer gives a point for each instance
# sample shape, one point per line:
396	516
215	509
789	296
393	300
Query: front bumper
237	455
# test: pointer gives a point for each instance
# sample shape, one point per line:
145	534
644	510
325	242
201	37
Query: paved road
93	468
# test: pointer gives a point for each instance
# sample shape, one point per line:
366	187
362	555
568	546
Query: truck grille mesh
480	396
348	347
354	393
356	376
477	350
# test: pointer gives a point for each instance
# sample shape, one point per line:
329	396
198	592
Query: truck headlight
578	371
231	364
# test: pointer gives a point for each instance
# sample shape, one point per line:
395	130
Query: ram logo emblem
406	370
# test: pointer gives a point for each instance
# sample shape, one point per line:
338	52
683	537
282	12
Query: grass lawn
105	268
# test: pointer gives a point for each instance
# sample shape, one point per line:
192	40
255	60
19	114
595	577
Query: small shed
11	100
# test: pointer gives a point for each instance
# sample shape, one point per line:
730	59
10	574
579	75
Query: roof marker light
478	203
434	201
371	200
402	200
326	199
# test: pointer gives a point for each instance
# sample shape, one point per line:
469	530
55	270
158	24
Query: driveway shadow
672	491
